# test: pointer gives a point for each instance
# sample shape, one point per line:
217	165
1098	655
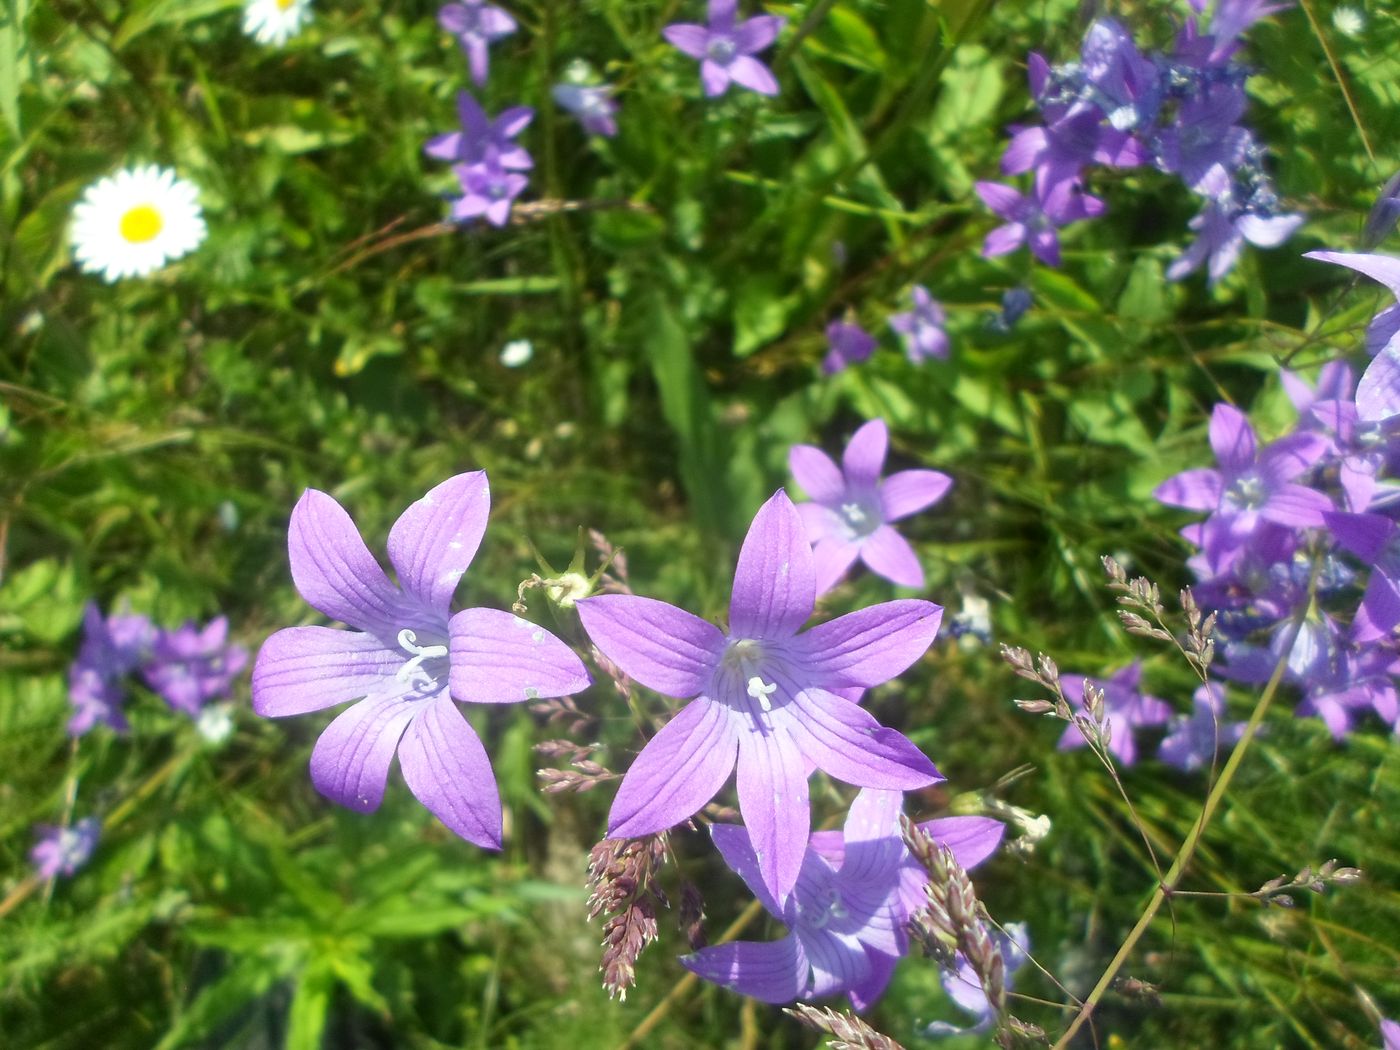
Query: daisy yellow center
283	5
141	224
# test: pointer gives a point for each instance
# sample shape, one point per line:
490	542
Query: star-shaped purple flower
1125	706
726	48
62	851
922	327
476	24
846	917
191	665
488	191
482	136
1378	392
1032	220
407	657
765	696
852	507
1253	485
847	344
1222	227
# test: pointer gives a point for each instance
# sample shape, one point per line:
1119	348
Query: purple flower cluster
1120	108
187	667
1299	551
725	48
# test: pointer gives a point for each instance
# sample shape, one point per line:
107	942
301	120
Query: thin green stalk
1182	861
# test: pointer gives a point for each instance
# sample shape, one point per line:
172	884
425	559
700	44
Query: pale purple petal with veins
873	645
864	457
773	801
889	554
500	658
664	648
845	741
301	669
910	491
447	770
774	589
436	538
769	971
818	475
350	763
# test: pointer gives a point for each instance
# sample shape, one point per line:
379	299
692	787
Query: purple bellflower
407	656
1123	83
1253	485
62	851
111	648
592	105
1375	539
1192	742
488	191
846	916
191	666
1230	19
1061	150
1205	145
764	695
1125	705
1390	1034
1380	221
847	344
922	327
1221	228
482	136
1378	392
476	24
725	48
1032	220
965	989
852	508
95	698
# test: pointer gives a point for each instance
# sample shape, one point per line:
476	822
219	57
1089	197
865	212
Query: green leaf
760	313
306	1021
42	601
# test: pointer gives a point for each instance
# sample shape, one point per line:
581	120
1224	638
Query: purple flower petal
500	658
870	843
1003	239
714	77
446	768
1232	438
1002	200
334	570
350	763
773	801
435	539
688	38
680	769
770	971
818	475
734	846
664	648
972	839
832	557
867	990
301	669
1291	456
752	74
845	741
888	554
910	491
1378	392
864	457
1296	506
757	33
1199	489
872	645
774	587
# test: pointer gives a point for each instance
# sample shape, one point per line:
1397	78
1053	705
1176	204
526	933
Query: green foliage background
156	433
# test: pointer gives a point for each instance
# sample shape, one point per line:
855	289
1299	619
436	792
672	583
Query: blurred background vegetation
156	433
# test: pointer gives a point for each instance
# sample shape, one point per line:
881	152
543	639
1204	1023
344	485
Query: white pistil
853	513
761	691
408	642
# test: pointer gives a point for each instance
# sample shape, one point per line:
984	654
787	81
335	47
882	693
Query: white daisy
275	21
135	221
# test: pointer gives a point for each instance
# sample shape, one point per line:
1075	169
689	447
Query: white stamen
408	642
853	513
761	691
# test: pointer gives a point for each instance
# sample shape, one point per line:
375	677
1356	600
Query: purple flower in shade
407	655
116	645
847	344
764	694
1253	485
476	24
191	666
1378	392
1390	1034
593	106
482	137
1125	705
1205	145
95	698
847	913
1375	539
964	988
62	851
851	509
1221	231
488	191
1230	19
1015	302
1380	221
922	327
1032	220
726	48
1192	742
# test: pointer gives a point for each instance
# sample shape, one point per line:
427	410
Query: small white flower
516	353
1349	20
134	222
275	21
215	723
